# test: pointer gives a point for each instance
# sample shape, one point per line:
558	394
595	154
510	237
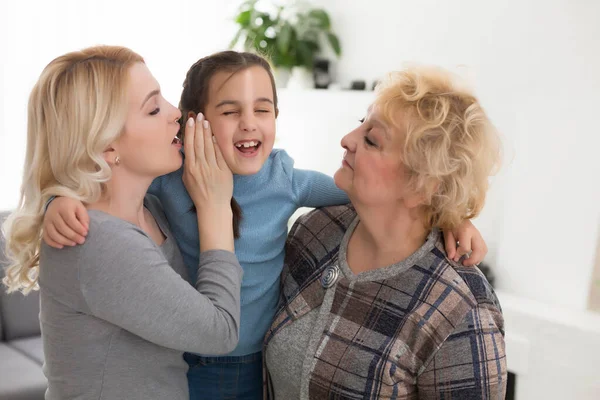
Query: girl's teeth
247	144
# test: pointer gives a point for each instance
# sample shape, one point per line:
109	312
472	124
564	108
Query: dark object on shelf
321	74
511	382
358	85
375	83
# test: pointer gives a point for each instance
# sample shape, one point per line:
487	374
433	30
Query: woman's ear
276	112
190	114
110	156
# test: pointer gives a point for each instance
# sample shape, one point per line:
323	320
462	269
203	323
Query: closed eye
369	142
155	111
263	111
229	112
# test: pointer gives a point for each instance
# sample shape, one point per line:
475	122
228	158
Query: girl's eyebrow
237	103
264	99
228	102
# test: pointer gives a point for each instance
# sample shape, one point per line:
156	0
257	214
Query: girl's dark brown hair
194	96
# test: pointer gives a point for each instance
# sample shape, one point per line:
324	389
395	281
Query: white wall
535	66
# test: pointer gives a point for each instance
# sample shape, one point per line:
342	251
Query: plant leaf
313	45
321	17
311	35
335	43
244	18
284	37
306	55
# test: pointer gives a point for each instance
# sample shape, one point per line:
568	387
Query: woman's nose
177	115
349	141
344	142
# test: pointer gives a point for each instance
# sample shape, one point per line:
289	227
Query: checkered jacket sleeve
470	363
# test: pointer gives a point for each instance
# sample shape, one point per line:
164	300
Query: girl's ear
276	112
191	114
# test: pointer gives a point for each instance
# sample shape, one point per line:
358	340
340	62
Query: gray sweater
117	312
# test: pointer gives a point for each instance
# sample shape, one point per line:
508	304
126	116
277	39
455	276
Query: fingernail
205	124
200	117
190	121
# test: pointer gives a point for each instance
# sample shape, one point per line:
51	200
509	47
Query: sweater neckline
387	271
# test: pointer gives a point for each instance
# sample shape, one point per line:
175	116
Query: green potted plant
291	37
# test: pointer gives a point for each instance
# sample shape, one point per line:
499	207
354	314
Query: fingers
65	230
57	237
71	226
479	252
188	143
450	244
199	141
209	146
48	240
220	159
464	246
83	217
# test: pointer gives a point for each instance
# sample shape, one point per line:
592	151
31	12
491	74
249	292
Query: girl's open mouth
247	147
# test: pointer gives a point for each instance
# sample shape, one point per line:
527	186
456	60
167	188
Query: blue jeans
225	378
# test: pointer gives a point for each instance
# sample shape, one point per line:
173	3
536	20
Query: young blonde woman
118	312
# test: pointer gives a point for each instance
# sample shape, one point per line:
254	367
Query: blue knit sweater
268	199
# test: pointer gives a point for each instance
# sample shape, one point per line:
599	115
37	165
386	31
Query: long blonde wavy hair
77	108
450	146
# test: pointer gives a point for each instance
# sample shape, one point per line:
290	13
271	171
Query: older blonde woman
118	312
371	305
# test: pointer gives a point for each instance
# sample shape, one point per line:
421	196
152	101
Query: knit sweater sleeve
126	280
311	188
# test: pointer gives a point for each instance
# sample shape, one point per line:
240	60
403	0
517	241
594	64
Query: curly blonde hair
77	108
450	146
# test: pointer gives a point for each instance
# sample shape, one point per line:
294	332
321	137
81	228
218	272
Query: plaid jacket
434	331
